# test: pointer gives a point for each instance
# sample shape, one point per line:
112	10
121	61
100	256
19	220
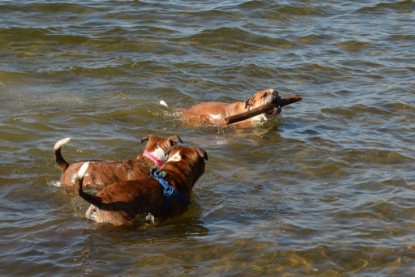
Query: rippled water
328	192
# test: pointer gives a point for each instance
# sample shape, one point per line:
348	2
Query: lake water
329	191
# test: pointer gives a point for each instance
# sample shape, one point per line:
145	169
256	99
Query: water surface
328	191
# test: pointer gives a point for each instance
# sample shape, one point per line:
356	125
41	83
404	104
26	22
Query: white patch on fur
61	143
175	158
259	119
159	153
216	116
150	218
73	178
82	170
91	213
163	103
97	181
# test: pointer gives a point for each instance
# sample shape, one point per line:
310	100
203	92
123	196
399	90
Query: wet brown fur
103	173
122	202
214	113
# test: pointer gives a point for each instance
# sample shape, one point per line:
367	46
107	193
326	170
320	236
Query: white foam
55	183
163	103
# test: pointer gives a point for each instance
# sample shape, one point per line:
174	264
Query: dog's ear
145	139
169	142
202	153
249	103
174	140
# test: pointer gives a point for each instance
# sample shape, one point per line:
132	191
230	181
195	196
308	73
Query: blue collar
169	191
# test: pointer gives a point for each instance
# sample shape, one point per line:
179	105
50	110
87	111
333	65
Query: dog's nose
275	93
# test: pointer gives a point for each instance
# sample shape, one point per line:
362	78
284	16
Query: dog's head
158	147
262	98
187	163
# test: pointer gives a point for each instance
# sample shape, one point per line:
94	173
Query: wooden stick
263	109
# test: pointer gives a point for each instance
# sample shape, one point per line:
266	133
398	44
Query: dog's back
103	173
121	203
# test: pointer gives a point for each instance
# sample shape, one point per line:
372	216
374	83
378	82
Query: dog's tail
163	103
63	165
93	199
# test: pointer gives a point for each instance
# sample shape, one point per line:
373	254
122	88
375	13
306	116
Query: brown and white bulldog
214	113
122	203
103	173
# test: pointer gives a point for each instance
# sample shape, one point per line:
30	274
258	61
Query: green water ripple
327	189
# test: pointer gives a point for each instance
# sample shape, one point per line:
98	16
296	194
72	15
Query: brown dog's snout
275	93
275	96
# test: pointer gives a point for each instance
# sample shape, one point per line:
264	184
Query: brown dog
122	203
214	113
103	173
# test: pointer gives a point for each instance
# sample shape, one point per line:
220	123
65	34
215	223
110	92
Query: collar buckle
169	191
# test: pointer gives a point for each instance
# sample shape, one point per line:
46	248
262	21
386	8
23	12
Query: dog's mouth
272	113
